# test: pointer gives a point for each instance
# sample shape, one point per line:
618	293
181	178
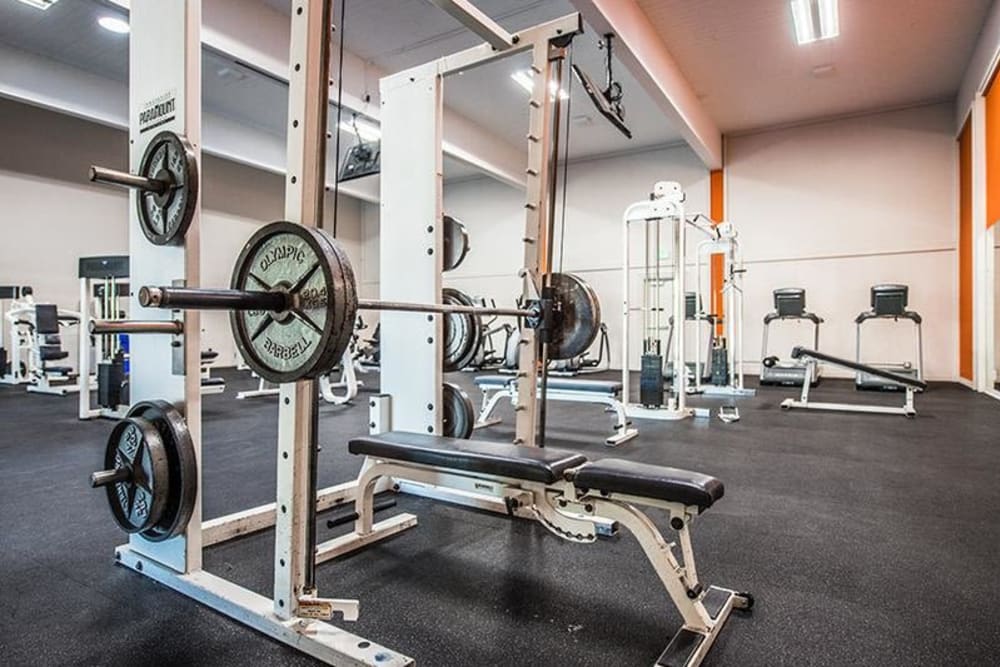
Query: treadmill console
790	301
889	300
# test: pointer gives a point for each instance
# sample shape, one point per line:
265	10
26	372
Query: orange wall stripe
993	151
965	233
718	266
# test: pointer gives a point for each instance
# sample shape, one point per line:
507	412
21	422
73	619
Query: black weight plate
183	487
462	332
164	218
458	415
579	319
307	340
456	243
138	502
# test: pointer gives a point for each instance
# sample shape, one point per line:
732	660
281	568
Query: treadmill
789	304
889	302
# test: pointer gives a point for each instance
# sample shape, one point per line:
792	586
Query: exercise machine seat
557	384
533	464
208	356
649	481
213	382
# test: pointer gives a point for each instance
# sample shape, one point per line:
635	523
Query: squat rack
165	56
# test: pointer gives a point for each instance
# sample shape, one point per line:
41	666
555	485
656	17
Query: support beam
469	16
257	35
641	49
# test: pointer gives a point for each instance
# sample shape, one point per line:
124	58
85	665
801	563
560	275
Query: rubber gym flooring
866	540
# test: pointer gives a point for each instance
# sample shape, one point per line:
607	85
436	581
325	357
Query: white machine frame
492	395
908	408
165	54
665	206
20	343
86	353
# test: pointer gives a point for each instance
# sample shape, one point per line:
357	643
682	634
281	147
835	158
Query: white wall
51	216
599	191
836	207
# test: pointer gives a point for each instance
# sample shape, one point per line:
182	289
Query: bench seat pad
555	383
649	481
478	456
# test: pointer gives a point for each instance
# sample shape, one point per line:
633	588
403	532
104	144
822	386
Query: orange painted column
718	266
993	151
965	240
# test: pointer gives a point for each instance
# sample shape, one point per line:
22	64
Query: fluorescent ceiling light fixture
40	4
364	130
815	20
525	79
114	24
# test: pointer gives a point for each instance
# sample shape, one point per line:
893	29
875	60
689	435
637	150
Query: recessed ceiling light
815	20
525	79
40	4
114	24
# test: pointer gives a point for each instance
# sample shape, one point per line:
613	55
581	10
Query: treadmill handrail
905	315
812	317
799	352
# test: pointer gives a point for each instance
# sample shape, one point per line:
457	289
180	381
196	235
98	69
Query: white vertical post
308	101
678	219
83	356
411	245
165	76
626	300
982	257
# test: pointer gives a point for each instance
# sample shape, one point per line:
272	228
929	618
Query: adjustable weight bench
570	497
497	387
811	357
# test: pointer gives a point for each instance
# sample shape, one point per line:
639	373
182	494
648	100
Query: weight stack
110	376
720	365
651	381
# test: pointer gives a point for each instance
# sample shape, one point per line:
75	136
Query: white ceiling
742	59
739	55
397	34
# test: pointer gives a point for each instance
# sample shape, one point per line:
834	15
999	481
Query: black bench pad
487	458
649	481
558	384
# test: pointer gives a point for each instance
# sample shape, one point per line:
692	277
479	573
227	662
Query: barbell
293	300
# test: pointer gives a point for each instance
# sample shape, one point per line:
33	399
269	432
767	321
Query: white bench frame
576	515
492	395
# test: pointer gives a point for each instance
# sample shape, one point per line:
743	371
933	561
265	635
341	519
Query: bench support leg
704	610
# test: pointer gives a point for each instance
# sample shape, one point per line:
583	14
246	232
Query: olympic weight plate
165	217
135	447
308	339
456	243
458	415
183	486
462	332
578	320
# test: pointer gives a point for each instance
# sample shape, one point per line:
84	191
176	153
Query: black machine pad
649	481
557	384
488	458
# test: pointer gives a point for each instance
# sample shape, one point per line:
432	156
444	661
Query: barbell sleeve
105	477
182	298
127	180
171	327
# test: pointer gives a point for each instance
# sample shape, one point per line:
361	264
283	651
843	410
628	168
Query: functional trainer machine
293	301
910	385
889	302
789	305
664	207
